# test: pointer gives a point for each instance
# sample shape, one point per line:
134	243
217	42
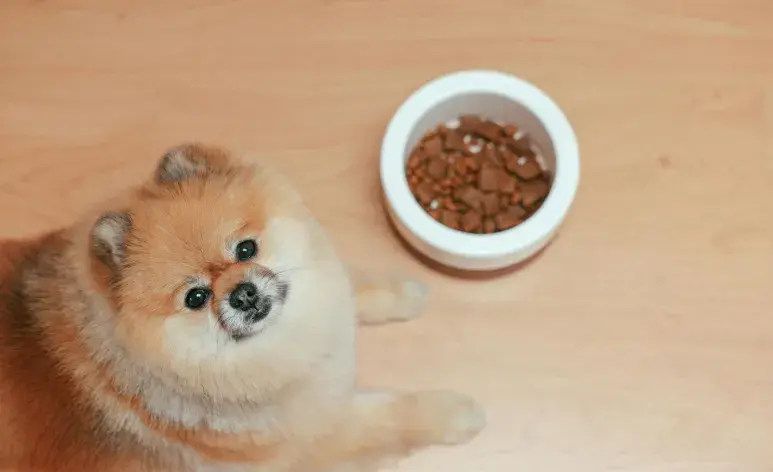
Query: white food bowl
500	97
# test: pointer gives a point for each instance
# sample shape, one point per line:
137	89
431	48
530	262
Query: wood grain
642	340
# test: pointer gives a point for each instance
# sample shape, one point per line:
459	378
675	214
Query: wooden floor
641	341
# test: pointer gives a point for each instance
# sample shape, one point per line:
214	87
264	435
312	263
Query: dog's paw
410	298
389	298
447	418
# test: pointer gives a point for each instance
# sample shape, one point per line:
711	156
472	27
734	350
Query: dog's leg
383	426
385	297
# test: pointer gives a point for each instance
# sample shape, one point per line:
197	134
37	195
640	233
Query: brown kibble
534	191
501	139
460	166
488	179
493	156
480	159
521	146
420	151
510	160
507	219
450	219
433	146
455	157
477	178
488	130
414	161
472	221
527	168
510	130
470	196
468	123
516	211
490	204
449	204
489	226
455	142
424	192
437	168
507	183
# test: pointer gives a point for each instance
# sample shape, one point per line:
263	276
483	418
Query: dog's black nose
244	297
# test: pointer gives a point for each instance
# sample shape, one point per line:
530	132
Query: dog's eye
197	298
246	250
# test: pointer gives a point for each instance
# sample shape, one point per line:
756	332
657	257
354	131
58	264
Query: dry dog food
477	176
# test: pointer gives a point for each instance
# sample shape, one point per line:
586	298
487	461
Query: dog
202	321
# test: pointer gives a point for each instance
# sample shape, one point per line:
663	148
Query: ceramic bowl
500	97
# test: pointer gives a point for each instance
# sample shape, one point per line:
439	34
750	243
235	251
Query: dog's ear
189	160
108	238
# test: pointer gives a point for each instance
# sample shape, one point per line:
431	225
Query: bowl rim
523	237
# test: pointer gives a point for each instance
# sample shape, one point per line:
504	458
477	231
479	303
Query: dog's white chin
235	329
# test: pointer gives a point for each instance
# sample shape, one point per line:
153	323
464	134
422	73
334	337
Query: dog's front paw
389	298
410	298
449	418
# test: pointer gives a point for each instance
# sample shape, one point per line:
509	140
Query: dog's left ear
190	160
108	238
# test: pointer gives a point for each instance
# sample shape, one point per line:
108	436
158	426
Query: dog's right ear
108	238
189	160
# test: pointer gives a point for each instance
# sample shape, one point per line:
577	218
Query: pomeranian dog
202	321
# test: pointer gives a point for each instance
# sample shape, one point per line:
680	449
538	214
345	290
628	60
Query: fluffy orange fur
105	367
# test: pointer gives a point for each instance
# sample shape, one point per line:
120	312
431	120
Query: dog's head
215	266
